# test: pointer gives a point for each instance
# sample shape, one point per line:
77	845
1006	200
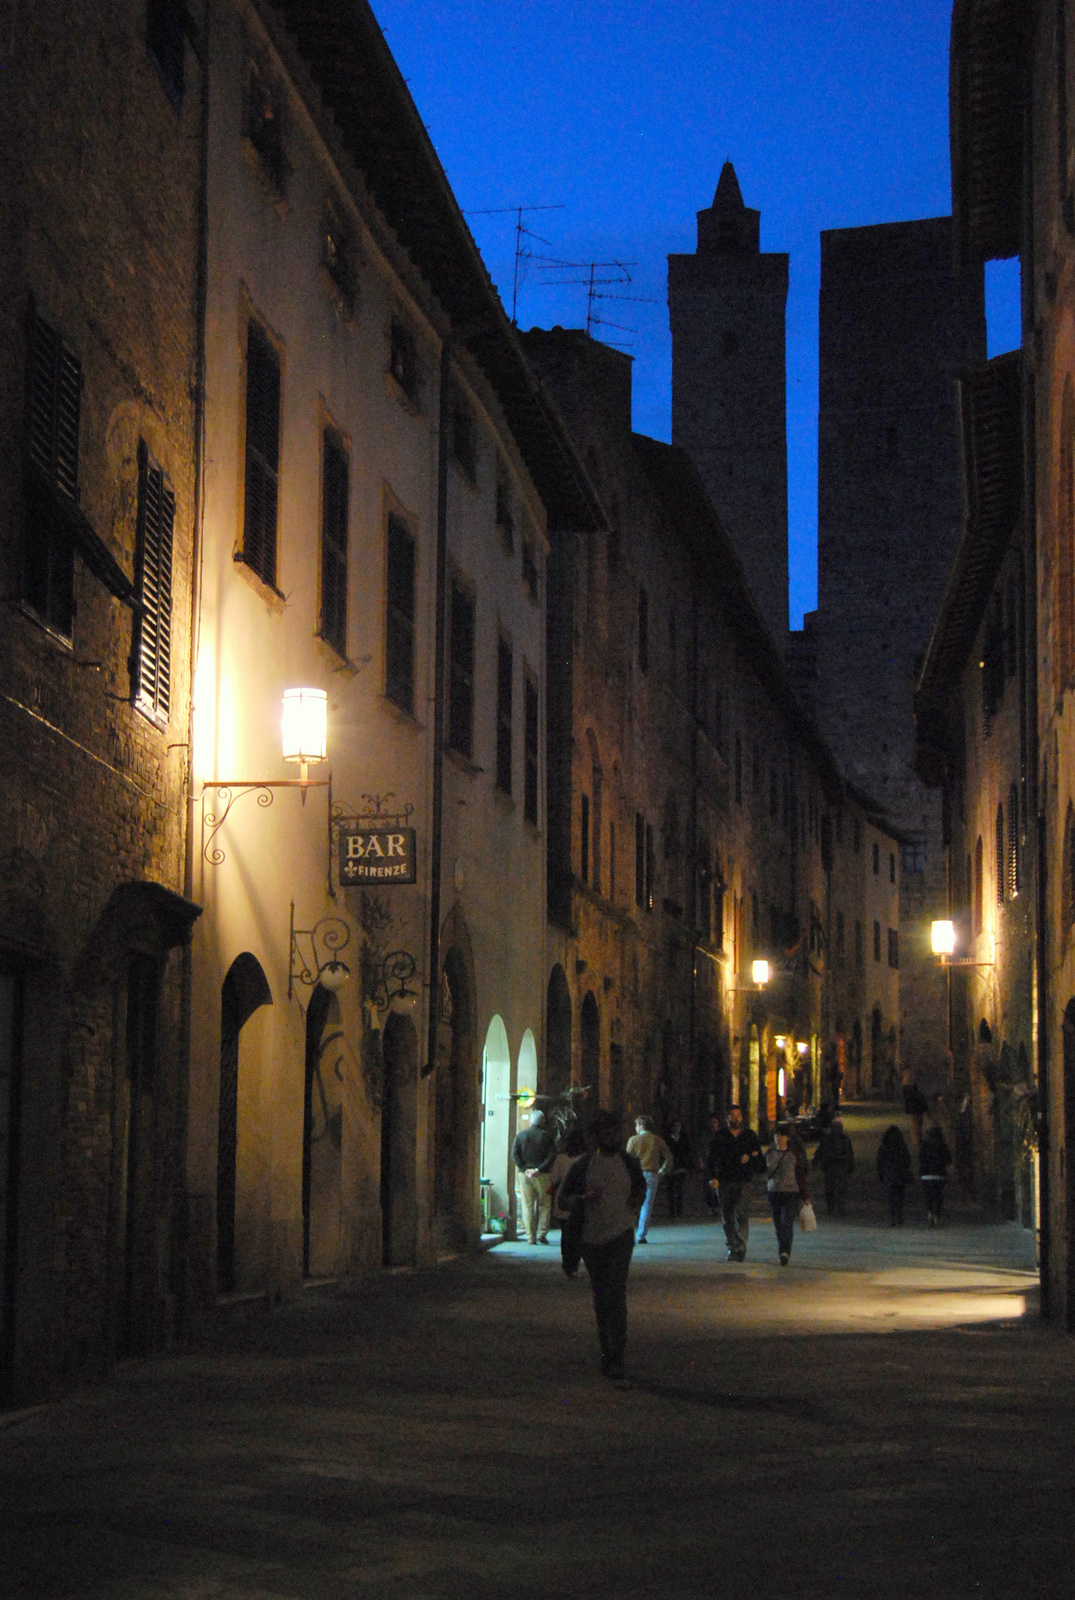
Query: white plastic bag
807	1218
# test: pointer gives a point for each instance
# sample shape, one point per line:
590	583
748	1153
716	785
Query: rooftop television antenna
600	279
523	252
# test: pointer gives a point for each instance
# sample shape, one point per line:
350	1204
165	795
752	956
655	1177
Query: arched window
1000	856
1065	537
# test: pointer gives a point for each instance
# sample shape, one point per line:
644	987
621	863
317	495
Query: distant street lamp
759	972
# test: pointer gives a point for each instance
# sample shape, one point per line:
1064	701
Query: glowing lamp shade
803	1047
943	936
781	1041
333	975
304	726
780	1083
760	972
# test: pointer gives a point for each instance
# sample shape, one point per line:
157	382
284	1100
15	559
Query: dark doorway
244	989
455	1189
558	1034
590	1043
136	1153
399	1118
11	1013
322	1138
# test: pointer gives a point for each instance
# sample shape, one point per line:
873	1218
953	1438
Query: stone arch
496	1113
557	1034
245	990
399	1131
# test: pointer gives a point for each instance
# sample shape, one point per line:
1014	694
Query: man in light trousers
656	1160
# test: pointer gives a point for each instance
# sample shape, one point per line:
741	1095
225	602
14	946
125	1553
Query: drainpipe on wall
436	823
186	1310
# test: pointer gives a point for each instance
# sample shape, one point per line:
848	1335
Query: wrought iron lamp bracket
229	790
308	966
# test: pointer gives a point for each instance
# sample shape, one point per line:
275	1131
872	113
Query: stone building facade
100	283
898	323
974	706
694	811
726	305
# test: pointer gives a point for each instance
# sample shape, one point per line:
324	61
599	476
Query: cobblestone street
886	1417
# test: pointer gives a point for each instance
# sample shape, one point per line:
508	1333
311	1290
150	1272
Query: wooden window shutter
152	645
504	683
399	617
461	681
54	403
530	750
334	545
262	455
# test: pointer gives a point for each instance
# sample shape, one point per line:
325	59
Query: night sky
835	115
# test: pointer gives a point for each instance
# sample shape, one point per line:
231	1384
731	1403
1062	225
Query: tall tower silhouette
726	305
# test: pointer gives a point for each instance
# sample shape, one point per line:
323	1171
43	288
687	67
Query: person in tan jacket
655	1159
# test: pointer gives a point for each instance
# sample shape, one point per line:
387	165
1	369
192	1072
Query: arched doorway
399	1119
496	1119
322	1137
455	1177
590	1043
557	1034
244	991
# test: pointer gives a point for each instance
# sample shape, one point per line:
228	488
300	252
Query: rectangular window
530	750
531	575
877	941
643	629
338	254
464	437
53	412
860	947
402	360
264	127
584	841
505	521
262	455
151	642
914	856
893	947
504	676
891	867
461	673
335	490
876	859
839	951
165	38
399	617
640	860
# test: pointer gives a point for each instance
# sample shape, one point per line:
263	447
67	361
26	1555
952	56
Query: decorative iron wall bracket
230	790
319	962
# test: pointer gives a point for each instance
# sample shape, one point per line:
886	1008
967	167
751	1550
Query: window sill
462	762
268	592
62	641
403	397
400	714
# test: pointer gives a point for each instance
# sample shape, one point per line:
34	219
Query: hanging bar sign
378	855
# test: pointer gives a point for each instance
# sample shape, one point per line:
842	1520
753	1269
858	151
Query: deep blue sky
835	113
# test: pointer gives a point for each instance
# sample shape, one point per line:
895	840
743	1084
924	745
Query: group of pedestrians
602	1194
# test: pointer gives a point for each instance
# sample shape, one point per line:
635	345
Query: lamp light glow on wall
304	728
802	1047
759	972
943	938
780	1083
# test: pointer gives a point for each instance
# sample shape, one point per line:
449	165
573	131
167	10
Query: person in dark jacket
786	1188
533	1153
835	1155
734	1156
893	1170
608	1187
934	1159
682	1161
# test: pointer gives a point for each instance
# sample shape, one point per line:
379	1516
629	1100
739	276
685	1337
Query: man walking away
533	1153
610	1188
934	1159
835	1155
655	1159
734	1156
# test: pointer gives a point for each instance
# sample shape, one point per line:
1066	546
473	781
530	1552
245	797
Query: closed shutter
262	455
399	617
152	654
334	545
53	406
530	741
461	685
503	715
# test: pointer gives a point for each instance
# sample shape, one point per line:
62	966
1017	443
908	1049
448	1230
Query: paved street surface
885	1417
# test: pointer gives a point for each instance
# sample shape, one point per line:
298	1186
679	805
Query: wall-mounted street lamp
315	955
780	1041
304	739
802	1047
759	972
943	941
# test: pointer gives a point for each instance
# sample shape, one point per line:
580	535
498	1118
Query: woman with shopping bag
786	1188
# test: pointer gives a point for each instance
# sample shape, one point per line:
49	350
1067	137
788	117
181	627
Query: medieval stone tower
726	303
897	325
